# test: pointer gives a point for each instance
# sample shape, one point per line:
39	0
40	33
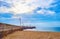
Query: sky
44	14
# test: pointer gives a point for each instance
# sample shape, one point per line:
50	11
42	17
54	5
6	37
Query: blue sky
32	12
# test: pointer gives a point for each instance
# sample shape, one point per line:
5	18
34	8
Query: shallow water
48	29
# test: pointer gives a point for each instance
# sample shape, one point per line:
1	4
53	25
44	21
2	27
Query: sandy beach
33	35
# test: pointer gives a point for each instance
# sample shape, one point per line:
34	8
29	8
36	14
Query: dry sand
33	35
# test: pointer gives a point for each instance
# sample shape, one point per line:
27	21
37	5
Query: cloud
45	3
46	12
5	4
4	10
18	7
25	6
5	7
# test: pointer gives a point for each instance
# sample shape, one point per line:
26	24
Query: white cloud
41	11
46	12
50	12
20	6
4	9
45	3
25	6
